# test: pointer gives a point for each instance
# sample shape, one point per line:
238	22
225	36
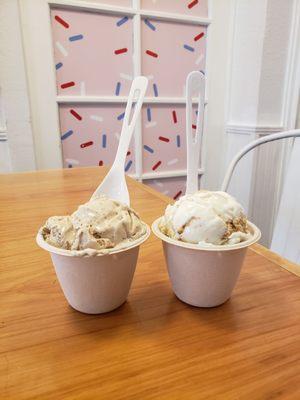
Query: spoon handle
195	84
136	96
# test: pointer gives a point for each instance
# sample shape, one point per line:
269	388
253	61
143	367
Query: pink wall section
122	3
93	55
172	187
187	7
85	52
164	141
169	52
90	134
163	138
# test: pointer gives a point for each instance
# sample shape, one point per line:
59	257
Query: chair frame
269	138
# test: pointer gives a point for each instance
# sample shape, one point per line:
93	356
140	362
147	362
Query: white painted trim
168	174
292	76
3	127
92	7
187	19
238	129
35	24
119	99
109	9
137	66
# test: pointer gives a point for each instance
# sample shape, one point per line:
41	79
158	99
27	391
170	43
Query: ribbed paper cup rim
90	252
256	234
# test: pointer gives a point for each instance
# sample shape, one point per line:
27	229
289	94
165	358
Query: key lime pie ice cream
205	237
206	217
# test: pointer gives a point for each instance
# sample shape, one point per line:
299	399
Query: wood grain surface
152	347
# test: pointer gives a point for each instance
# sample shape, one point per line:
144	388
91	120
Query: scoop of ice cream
206	217
101	223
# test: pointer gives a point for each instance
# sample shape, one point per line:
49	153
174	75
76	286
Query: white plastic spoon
195	85
114	184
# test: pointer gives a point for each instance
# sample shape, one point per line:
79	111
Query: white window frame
38	49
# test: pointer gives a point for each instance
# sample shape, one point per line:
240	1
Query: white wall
243	89
257	98
16	144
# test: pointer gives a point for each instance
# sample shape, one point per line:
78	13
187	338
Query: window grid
137	14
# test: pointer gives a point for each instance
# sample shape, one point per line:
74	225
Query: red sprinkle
164	139
198	36
67	84
192	4
100	163
86	144
155	166
76	115
151	53
61	21
174	117
120	51
194	126
128	153
177	195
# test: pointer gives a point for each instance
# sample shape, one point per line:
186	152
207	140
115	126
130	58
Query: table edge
276	258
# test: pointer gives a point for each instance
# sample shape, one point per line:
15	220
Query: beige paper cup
95	284
204	276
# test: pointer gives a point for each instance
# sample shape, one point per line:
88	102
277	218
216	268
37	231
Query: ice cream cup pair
100	282
95	282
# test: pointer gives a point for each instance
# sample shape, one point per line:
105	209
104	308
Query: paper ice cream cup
96	283
204	276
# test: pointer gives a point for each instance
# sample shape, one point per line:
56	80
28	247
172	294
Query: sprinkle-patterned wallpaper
192	7
93	55
169	52
90	135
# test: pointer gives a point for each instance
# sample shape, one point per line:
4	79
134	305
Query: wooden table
152	347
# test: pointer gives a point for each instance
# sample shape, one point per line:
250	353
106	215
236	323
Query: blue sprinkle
149	114
189	48
75	37
67	134
121	116
104	141
149	24
70	166
122	21
196	111
155	90
178	140
128	165
147	148
118	87
58	65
